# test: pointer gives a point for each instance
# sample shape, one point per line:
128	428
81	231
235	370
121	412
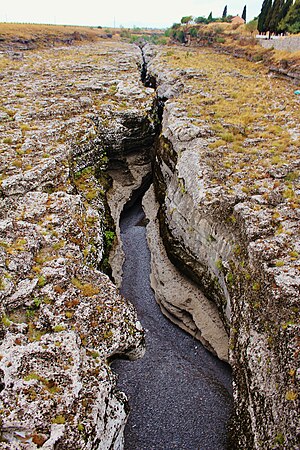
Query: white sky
154	13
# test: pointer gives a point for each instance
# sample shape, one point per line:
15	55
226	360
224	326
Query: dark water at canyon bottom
180	395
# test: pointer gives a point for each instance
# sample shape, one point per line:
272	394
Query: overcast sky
157	13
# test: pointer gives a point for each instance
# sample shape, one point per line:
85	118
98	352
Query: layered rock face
76	122
128	137
62	319
227	179
179	298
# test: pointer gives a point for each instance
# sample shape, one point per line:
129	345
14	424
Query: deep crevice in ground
179	393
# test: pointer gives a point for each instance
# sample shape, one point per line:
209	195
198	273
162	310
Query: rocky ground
227	178
62	319
180	298
226	172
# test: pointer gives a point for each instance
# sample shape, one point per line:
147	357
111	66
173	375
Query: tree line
279	17
201	19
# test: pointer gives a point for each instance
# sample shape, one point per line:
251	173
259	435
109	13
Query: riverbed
180	394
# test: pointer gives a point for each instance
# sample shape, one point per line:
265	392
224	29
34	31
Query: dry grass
15	36
280	55
253	118
238	40
30	31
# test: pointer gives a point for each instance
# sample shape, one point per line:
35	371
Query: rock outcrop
180	298
128	137
77	122
62	319
226	175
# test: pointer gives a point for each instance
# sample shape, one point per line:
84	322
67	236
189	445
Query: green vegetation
276	16
244	13
279	16
109	237
279	439
42	281
80	427
6	321
219	265
87	289
32	376
59	420
186	19
256	286
291	21
59	328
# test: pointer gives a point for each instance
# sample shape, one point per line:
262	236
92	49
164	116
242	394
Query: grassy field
254	118
36	32
19	36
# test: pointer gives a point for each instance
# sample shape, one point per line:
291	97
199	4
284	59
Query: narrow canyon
105	145
179	393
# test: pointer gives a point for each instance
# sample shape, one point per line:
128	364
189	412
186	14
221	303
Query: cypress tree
281	25
275	14
261	26
285	9
269	16
292	19
210	18
244	15
224	15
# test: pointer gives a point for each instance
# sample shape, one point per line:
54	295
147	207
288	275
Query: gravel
180	394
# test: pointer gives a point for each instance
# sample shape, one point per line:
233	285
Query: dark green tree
200	19
286	7
224	15
275	15
281	27
244	15
180	36
193	32
186	19
269	16
291	21
266	6
210	18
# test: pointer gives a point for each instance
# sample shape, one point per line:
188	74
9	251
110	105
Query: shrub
133	39
193	32
186	19
125	34
200	19
180	36
109	237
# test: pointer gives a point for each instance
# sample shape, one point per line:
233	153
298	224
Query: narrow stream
180	395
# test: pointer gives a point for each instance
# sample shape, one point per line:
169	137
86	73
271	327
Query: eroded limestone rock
179	298
227	179
62	320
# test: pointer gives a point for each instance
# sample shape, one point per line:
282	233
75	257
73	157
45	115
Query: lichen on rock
62	319
226	175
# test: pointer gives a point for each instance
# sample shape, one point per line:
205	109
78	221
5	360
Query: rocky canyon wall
62	319
226	175
79	139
